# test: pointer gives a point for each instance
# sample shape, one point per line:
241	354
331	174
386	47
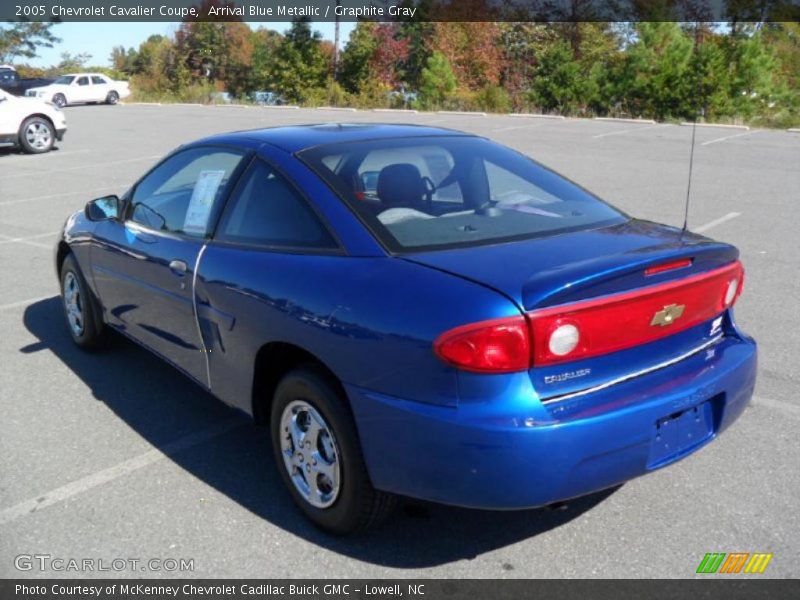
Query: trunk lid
584	265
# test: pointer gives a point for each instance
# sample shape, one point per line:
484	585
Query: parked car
11	82
221	98
79	88
479	331
30	124
402	97
267	98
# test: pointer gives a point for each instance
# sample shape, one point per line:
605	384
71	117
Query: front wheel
80	309
60	100
36	135
318	454
112	98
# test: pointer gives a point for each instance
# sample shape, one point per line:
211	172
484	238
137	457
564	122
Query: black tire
92	335
358	505
60	100
36	135
112	98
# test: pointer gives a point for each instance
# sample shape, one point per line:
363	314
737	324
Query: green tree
657	80
123	60
752	85
23	40
354	72
299	66
418	34
265	44
437	81
557	79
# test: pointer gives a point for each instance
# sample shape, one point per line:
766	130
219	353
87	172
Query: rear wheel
318	454
60	100
36	135
112	98
80	308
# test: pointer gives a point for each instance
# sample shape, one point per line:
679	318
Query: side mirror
102	209
369	180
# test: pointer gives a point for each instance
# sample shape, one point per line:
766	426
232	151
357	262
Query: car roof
300	137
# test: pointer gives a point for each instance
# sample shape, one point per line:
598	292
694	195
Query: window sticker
203	196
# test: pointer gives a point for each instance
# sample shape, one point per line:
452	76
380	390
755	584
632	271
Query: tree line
744	72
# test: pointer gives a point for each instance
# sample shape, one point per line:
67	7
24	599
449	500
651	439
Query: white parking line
729	137
28	240
110	474
635	129
715	222
38	157
61	194
27	302
528	126
88	166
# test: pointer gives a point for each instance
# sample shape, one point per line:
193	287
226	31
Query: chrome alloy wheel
73	303
310	454
38	135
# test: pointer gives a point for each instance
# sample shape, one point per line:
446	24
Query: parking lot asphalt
116	455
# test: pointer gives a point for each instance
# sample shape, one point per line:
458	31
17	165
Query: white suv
30	124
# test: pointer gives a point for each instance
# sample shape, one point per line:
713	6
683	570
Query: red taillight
669	266
496	346
591	327
621	321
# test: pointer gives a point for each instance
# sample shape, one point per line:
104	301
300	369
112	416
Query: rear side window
180	194
266	210
97	80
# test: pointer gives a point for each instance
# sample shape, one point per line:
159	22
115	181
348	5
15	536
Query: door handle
178	267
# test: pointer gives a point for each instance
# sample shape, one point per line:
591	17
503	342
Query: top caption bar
401	10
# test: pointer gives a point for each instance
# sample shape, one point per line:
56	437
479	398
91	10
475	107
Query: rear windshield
428	193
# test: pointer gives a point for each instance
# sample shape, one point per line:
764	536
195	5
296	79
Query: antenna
689	184
691	153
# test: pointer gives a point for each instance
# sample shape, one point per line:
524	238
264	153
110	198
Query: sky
98	39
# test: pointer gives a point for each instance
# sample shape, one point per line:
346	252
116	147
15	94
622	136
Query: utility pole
336	42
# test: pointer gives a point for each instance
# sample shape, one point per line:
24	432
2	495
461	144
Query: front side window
266	210
439	192
83	81
181	193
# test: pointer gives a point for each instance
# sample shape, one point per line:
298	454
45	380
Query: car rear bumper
506	455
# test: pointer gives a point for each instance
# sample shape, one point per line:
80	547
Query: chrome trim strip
196	316
657	367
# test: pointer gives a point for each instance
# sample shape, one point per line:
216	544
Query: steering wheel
430	188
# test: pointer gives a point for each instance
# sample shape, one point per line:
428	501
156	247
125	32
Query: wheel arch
62	251
274	360
41	116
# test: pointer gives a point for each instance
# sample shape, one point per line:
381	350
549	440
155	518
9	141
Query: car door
80	90
144	263
9	125
100	88
273	266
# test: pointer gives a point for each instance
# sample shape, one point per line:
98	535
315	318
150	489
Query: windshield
440	192
65	79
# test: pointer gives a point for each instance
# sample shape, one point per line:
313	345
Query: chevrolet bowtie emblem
668	315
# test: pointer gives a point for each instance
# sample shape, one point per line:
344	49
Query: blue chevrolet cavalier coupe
416	311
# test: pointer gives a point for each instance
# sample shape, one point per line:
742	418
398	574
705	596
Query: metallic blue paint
427	430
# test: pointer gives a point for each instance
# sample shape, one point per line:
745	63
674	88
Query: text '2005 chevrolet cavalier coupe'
416	312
